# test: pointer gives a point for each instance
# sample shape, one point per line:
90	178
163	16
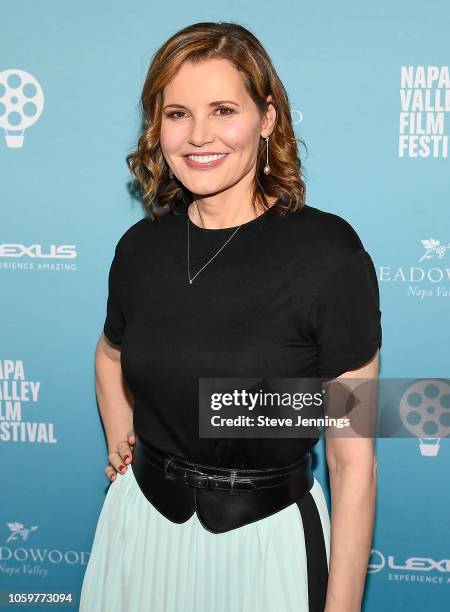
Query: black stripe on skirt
316	554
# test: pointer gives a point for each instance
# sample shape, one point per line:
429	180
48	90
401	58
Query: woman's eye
226	108
172	114
227	111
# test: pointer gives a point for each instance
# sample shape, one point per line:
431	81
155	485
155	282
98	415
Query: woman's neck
214	216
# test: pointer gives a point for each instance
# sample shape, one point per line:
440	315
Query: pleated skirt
141	561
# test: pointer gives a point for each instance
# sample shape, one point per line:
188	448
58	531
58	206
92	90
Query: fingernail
112	477
126	457
122	467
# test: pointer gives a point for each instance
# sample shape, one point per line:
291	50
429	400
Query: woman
230	274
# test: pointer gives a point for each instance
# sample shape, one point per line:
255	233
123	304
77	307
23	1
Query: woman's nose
201	133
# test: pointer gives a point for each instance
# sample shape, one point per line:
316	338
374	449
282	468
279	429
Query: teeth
205	159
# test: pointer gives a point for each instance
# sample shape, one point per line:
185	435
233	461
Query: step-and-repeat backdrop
370	93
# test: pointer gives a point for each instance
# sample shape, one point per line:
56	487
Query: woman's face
207	113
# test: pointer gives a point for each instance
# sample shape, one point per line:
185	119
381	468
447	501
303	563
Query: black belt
226	479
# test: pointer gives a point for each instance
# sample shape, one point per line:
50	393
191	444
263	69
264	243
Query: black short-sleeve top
288	296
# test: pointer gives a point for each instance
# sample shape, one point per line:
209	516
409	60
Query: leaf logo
433	247
18	530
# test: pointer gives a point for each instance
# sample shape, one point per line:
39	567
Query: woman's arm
352	467
115	400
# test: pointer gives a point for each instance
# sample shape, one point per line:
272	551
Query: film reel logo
21	104
425	412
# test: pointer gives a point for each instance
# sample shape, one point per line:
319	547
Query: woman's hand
121	457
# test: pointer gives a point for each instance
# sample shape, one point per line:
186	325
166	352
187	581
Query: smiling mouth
206	159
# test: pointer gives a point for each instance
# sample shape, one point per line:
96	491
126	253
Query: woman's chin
203	189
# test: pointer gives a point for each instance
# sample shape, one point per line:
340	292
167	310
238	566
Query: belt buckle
209	483
235	483
234	480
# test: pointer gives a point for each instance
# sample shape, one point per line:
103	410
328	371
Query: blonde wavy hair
231	41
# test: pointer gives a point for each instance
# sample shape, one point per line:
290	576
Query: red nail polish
126	457
122	467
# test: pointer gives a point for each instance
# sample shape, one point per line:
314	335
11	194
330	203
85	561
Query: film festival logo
424	100
428	280
418	409
21	104
15	392
425	412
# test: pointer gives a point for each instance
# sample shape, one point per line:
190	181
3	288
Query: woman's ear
270	118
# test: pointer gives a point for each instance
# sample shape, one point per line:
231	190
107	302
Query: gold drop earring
267	167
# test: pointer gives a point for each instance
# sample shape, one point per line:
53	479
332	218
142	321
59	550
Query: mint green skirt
140	561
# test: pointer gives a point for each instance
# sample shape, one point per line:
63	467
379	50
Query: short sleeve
348	316
115	321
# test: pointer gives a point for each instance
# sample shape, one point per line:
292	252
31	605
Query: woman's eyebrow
210	104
